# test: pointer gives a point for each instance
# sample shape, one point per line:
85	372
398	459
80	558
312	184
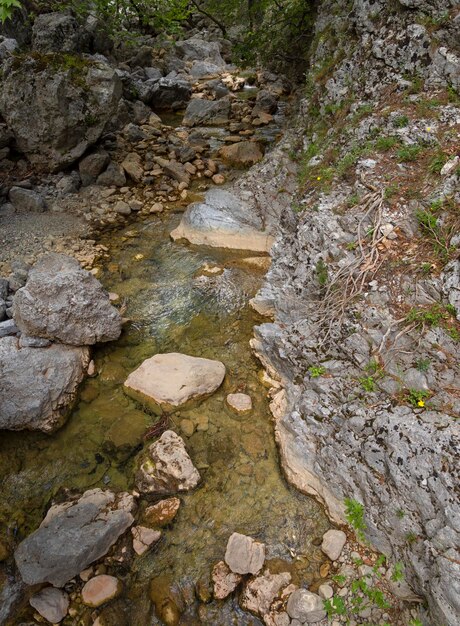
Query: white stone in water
305	606
244	555
167	381
51	603
239	402
100	590
333	542
144	538
225	581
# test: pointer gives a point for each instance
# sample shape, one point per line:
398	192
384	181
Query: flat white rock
244	555
167	381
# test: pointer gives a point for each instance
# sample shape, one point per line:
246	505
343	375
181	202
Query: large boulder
64	302
169	93
196	49
38	386
223	220
207	112
57	107
168	381
56	32
72	536
167	469
26	200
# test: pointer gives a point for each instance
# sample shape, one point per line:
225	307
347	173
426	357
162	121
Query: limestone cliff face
365	337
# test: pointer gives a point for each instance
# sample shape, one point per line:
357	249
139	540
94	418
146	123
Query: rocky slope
364	286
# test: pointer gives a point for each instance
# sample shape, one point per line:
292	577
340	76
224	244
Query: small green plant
390	191
351	245
423	365
437	163
354	513
340	579
353	200
415	622
335	606
411	537
432	316
408	153
398	572
401	121
426	268
321	272
386	143
367	383
316	371
400	513
417	397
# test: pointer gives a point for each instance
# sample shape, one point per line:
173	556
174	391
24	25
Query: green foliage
437	162
367	383
411	537
398	572
7	8
400	513
409	153
390	191
316	371
386	143
321	272
423	365
417	397
335	606
401	121
354	513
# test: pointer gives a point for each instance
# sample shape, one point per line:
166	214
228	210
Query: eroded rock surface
60	301
55	115
38	386
167	468
72	536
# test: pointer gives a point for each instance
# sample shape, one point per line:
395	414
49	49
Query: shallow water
173	308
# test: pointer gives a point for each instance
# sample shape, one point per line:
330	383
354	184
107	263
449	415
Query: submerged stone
167	381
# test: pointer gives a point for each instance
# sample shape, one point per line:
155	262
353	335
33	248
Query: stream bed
173	308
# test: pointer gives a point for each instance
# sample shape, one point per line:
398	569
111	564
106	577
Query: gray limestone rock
54	114
56	32
305	606
38	385
207	112
72	536
61	301
170	92
196	49
51	603
26	200
91	166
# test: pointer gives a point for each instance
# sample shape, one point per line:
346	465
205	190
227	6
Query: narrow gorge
230	313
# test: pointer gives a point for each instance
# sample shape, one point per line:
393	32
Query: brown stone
162	513
224	580
100	589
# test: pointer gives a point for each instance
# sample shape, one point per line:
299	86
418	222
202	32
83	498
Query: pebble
100	589
333	543
239	402
51	603
144	538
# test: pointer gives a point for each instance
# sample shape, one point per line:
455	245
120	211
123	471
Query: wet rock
38	386
244	555
61	301
144	538
167	381
260	592
162	513
91	166
239	402
167	468
224	580
242	154
170	93
72	536
26	200
207	112
100	589
333	543
305	606
46	109
265	103
51	603
223	220
132	164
